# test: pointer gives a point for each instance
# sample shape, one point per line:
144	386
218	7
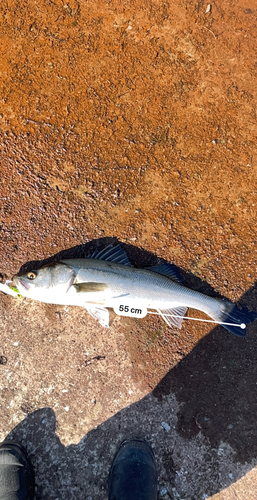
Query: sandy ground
130	122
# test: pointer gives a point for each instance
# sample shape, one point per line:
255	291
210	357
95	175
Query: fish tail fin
230	313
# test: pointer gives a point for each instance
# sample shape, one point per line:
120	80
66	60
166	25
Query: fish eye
31	275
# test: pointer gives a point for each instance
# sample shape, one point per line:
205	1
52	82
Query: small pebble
166	426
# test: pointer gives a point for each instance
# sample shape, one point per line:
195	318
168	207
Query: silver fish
107	280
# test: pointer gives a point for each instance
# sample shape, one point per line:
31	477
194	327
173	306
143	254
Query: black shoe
133	474
16	472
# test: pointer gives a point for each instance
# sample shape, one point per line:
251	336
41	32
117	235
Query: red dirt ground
134	120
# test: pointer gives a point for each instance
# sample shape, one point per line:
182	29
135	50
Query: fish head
43	283
30	283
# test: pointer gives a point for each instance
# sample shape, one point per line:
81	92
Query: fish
106	280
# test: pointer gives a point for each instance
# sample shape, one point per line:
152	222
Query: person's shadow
200	418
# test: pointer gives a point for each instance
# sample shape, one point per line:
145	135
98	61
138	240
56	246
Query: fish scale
143	286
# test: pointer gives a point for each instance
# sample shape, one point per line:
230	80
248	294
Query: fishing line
242	325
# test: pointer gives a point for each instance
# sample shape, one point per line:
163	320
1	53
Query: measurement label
130	310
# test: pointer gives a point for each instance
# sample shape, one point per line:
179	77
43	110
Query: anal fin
169	316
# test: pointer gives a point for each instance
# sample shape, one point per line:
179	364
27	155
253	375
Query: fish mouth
18	281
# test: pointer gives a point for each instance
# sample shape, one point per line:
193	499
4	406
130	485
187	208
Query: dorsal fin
169	270
112	254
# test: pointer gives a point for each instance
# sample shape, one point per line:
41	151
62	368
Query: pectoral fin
99	313
90	287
